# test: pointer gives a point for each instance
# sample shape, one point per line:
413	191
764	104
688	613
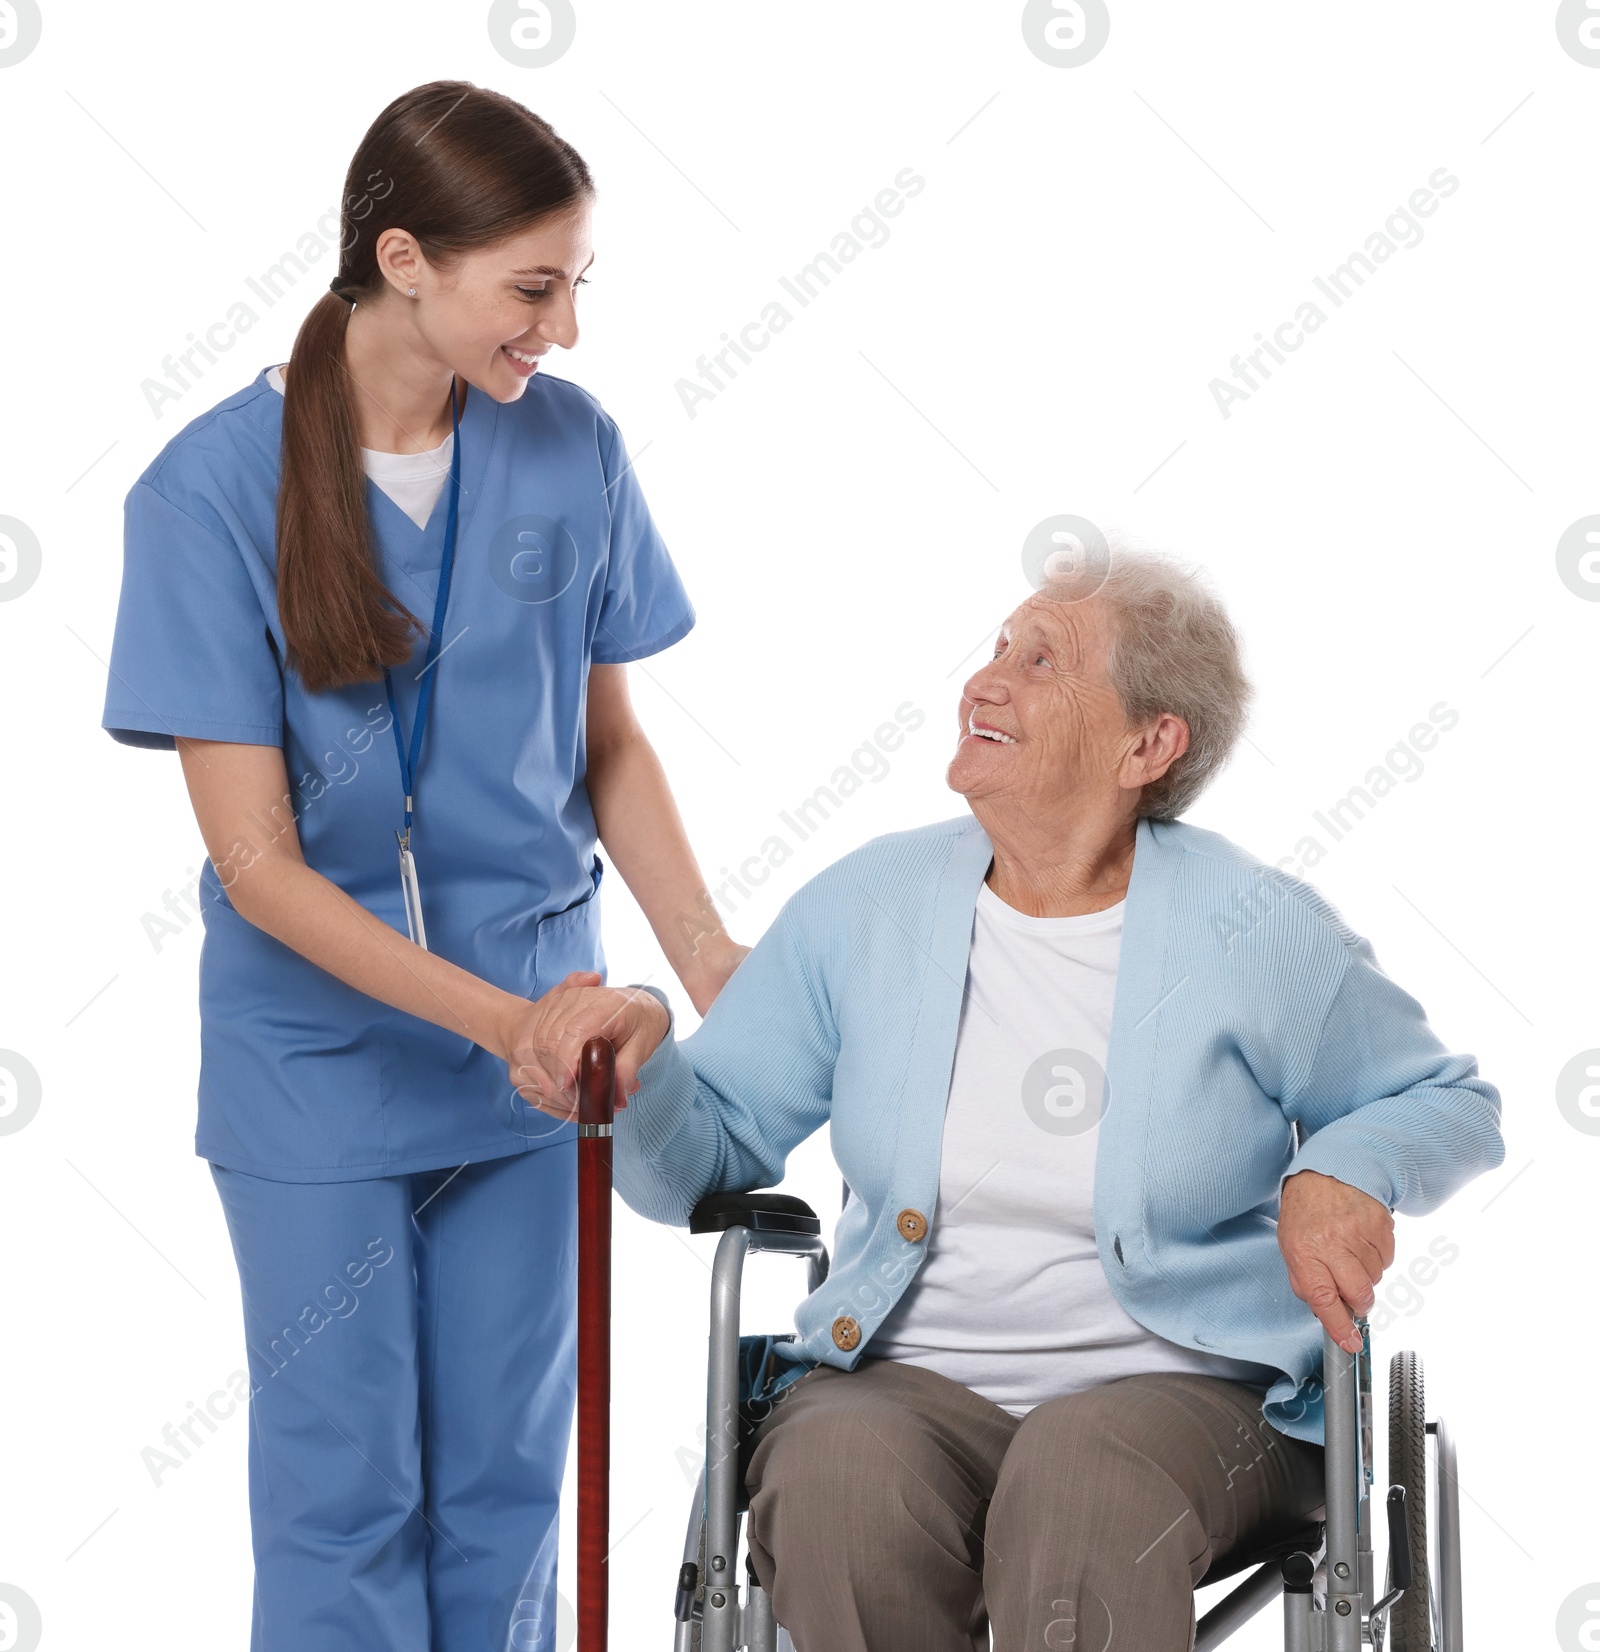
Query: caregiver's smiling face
503	306
1040	721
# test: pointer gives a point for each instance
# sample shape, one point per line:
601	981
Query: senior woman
1123	1114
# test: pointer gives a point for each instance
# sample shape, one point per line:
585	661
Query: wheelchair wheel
1410	1620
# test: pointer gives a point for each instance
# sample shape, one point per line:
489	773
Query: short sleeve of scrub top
558	565
191	653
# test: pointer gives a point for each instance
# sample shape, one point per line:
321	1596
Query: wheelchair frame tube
1236	1609
1344	1477
1296	1623
720	1623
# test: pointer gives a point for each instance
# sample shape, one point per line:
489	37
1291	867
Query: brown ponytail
459	167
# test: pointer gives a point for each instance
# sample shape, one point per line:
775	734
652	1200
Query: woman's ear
1159	745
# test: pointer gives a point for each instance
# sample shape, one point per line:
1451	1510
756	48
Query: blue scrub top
558	564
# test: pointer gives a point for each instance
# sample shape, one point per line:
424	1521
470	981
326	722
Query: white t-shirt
413	480
1011	1300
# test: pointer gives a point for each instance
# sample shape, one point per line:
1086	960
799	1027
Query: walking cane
596	1098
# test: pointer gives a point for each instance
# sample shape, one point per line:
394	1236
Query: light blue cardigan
1243	1003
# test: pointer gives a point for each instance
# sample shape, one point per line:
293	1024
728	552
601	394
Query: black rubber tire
1410	1619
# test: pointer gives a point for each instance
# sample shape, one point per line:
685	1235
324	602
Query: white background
1036	336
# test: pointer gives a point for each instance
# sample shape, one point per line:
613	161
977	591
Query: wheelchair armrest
760	1211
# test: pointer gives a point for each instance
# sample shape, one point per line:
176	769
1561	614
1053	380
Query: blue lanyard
408	761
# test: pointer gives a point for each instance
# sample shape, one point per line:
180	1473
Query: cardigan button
913	1225
846	1333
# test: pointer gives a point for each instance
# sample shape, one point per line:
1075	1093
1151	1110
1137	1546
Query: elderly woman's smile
988	731
1049	760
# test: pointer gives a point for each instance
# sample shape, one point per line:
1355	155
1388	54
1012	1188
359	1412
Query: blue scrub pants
412	1355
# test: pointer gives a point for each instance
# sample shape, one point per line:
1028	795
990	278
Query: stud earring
412	291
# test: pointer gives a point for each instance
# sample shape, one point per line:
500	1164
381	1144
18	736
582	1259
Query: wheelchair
1324	1572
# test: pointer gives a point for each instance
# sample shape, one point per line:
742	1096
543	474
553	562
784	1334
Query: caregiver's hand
542	1042
1337	1241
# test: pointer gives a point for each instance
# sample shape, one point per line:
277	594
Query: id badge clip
412	892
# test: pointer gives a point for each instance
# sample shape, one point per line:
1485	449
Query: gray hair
1173	649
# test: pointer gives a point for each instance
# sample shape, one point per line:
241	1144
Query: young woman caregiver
421	681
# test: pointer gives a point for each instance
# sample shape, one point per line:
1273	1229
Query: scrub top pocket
569	940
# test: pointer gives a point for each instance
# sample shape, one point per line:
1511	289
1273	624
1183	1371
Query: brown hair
460	168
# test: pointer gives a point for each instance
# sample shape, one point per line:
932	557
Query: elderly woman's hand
542	1042
1337	1241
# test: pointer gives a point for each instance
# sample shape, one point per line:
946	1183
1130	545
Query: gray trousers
893	1510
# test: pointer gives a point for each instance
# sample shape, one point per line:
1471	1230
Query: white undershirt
1011	1300
413	480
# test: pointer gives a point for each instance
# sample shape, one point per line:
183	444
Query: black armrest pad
762	1211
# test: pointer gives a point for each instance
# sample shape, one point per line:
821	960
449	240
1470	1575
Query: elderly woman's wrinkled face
1040	721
